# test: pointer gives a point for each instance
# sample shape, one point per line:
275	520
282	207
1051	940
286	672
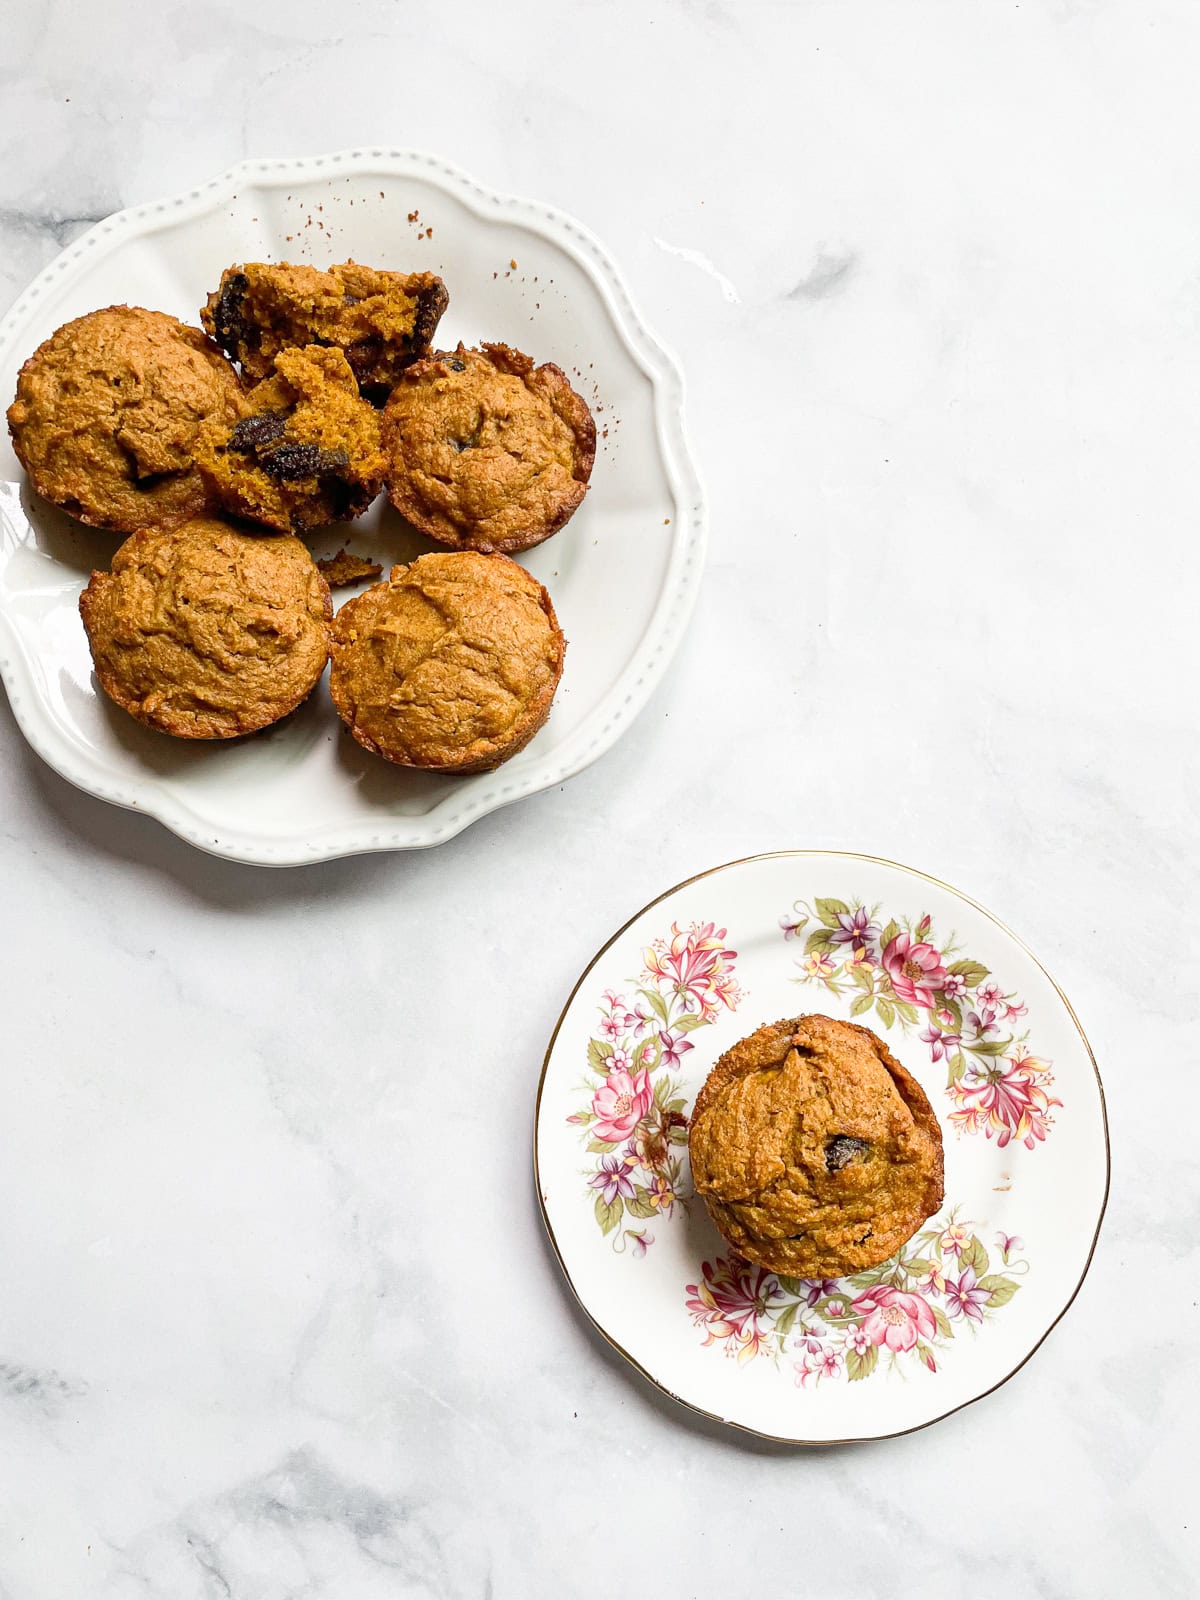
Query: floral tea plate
964	1006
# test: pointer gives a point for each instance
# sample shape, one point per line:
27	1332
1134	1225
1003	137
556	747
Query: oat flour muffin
382	320
450	664
206	632
485	450
108	412
815	1151
305	450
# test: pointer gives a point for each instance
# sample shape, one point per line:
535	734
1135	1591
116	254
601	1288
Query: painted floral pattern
634	1123
909	977
942	1284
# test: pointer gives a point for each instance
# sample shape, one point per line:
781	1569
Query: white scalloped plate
973	1016
623	573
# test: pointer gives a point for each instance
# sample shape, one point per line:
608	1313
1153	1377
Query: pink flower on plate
696	966
613	1000
965	1298
834	1309
941	1045
830	1364
813	1288
1008	1242
858	1340
612	1179
1005	1098
728	1303
916	970
895	1319
990	994
953	1240
818	965
1013	1011
642	1240
955	986
611	1027
804	1371
673	1047
792	924
621	1102
934	1279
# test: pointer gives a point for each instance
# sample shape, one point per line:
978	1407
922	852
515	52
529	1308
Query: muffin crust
485	450
816	1153
108	414
207	632
304	451
450	664
382	321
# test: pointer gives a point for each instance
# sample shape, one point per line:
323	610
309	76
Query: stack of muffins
307	393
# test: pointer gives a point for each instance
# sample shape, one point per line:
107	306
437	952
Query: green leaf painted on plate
599	1051
975	1256
999	1287
830	910
860	1003
861	1365
973	971
887	1012
608	1216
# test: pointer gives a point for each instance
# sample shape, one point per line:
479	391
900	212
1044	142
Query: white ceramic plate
623	573
963	1005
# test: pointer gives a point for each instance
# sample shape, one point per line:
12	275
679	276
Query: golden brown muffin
382	320
305	450
206	632
451	664
108	412
485	450
816	1152
346	568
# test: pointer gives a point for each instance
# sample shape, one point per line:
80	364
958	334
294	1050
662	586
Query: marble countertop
277	1316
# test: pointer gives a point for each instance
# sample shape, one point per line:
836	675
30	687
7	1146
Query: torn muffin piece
381	321
305	450
345	568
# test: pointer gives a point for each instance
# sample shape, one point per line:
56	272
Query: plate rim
663	1388
628	692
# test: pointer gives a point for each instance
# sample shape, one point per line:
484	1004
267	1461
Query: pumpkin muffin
381	320
206	632
108	414
816	1153
485	450
305	450
450	664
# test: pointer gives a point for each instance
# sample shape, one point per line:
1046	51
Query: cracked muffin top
450	664
485	450
304	451
382	321
816	1153
108	414
206	632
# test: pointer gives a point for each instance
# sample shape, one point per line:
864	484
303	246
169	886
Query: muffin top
485	450
206	632
816	1152
450	664
381	320
108	412
304	450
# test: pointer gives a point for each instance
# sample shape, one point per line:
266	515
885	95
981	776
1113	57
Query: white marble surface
276	1314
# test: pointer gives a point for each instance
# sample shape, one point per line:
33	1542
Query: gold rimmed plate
964	1005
